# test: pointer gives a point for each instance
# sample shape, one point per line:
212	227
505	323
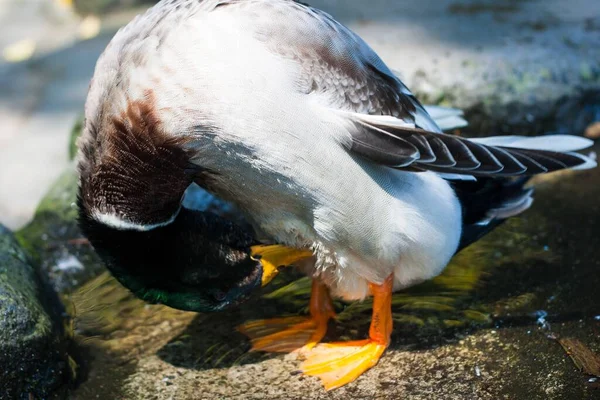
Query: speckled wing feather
338	67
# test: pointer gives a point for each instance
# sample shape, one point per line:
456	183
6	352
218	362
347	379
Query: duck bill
272	257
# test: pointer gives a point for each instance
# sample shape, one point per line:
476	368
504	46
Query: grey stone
32	357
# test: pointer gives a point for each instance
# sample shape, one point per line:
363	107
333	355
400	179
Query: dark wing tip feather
513	165
551	160
426	153
383	148
444	158
488	162
401	146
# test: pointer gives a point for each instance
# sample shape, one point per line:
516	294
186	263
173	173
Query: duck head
198	262
132	180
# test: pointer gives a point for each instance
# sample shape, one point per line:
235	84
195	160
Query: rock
75	133
32	355
54	239
593	131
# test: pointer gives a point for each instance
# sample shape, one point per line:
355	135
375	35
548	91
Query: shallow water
473	331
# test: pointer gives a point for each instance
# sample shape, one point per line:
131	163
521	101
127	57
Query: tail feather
557	143
488	202
554	143
447	118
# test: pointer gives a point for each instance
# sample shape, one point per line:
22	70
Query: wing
391	142
337	67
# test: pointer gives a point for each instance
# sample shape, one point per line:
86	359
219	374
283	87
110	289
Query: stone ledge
32	359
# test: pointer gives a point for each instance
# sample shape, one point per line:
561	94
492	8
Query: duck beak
272	257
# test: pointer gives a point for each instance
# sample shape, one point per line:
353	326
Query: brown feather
131	168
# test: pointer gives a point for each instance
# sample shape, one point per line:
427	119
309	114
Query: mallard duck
281	110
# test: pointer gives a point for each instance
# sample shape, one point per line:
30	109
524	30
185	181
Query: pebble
593	131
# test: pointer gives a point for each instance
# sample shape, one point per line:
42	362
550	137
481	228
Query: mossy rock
33	359
55	241
75	134
103	6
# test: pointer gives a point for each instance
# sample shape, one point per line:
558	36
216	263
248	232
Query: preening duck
276	107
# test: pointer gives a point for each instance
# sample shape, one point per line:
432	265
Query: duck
338	169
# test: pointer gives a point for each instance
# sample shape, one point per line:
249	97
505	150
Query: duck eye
219	295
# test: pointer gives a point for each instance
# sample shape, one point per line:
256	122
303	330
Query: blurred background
514	316
515	65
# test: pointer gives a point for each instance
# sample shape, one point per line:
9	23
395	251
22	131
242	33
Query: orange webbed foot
338	364
284	335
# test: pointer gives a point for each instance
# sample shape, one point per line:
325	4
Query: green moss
103	6
477	316
75	134
427	305
453	323
586	72
299	287
545	74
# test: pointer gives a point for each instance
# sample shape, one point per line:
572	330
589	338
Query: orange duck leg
289	334
338	364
